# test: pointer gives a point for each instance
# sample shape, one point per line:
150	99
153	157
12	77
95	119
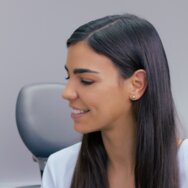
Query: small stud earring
133	97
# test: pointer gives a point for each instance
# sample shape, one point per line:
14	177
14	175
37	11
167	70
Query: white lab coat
60	167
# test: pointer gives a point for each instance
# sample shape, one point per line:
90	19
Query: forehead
80	55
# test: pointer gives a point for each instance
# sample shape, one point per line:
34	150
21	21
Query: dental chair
43	121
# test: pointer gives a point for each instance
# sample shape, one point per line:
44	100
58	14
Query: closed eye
86	81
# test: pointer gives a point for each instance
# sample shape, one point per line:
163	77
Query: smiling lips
77	113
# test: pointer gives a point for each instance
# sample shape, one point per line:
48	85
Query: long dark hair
133	43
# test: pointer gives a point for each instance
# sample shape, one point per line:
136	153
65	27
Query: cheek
109	103
104	98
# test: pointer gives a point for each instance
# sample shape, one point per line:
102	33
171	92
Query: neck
120	145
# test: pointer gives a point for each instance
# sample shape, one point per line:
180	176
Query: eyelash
86	82
83	81
66	78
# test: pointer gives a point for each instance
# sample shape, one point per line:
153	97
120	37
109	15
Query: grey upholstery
43	120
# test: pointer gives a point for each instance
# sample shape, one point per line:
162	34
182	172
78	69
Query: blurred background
32	49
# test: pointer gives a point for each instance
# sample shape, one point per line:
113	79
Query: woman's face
98	96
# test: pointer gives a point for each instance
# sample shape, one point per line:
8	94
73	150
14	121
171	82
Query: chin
82	129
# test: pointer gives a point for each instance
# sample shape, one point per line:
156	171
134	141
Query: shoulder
183	150
65	155
183	163
60	167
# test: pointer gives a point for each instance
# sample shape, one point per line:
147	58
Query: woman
120	94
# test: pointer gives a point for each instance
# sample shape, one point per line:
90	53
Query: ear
138	84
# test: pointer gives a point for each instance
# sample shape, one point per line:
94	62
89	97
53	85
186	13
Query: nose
69	92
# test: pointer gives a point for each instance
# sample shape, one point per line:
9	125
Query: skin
101	101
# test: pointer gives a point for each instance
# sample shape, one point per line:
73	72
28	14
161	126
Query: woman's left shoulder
183	163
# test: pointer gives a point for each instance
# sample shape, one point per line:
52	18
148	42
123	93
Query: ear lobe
139	84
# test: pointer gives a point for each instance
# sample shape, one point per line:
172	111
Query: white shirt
60	167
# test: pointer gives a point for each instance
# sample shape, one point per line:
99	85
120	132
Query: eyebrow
81	70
